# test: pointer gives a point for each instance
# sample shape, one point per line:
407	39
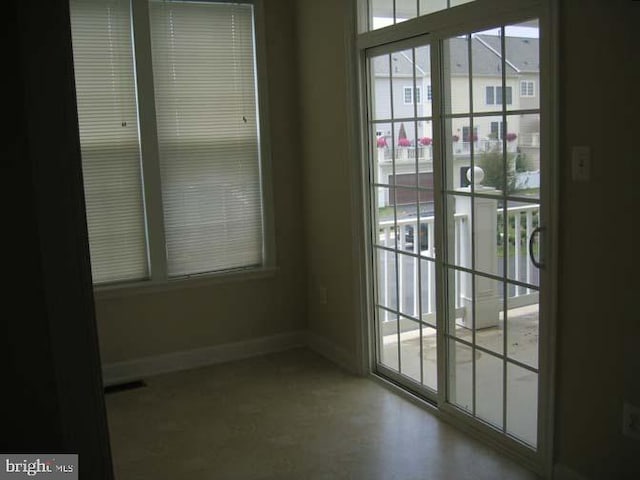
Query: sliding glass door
457	204
402	190
491	213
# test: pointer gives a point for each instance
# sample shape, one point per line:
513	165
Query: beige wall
327	187
598	354
151	324
599	336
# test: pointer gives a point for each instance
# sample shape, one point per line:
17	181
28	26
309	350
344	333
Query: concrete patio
521	384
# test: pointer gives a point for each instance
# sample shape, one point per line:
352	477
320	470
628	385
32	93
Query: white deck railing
482	145
416	275
425	153
525	218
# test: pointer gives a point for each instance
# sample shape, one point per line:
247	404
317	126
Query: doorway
459	313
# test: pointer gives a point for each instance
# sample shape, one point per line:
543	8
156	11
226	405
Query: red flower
404	142
426	141
455	138
382	142
511	137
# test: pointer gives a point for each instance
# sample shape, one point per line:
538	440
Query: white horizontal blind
105	88
206	108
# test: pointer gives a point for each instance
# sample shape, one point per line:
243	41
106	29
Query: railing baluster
431	238
517	240
457	238
432	285
431	251
416	270
385	267
399	232
529	230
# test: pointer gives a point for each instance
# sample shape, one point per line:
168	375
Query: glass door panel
492	209
454	182
404	227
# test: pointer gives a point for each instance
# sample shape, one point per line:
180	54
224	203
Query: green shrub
523	163
491	162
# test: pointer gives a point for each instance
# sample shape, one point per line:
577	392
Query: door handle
532	237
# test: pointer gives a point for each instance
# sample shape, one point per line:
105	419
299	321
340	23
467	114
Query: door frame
473	16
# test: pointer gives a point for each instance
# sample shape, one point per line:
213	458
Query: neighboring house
397	96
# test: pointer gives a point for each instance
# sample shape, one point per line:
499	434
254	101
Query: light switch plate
581	164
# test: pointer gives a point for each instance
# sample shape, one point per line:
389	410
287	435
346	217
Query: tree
523	163
402	134
492	163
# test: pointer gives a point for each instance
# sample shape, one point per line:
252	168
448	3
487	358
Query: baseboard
140	368
332	352
562	472
130	370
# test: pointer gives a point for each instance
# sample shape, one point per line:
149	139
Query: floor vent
121	387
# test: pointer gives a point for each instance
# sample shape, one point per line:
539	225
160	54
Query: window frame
489	95
415	94
158	279
496	95
467	135
528	83
498	130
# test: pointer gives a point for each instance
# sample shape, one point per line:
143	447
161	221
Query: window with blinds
108	121
205	91
206	136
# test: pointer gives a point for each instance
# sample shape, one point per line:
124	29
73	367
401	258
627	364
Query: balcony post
485	223
380	177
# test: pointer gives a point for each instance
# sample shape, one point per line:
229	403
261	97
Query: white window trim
121	290
158	279
493	95
496	96
500	124
410	91
526	90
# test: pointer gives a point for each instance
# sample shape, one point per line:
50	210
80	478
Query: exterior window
408	97
466	134
496	130
429	92
509	95
527	88
383	13
493	95
197	145
490	96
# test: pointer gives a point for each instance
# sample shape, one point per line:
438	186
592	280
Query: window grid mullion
150	162
505	230
473	229
395	203
416	231
440	238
